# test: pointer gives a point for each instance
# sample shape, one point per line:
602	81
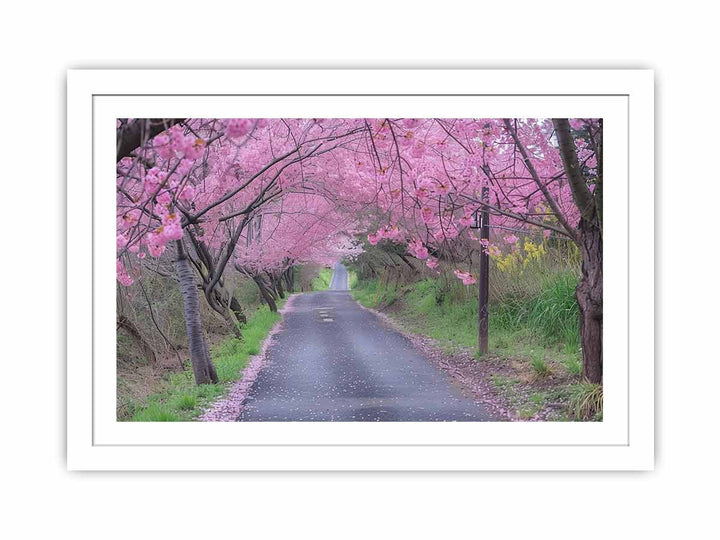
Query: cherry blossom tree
205	179
302	227
265	195
434	175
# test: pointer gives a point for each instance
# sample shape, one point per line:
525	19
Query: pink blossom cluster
388	232
122	275
417	249
420	178
237	127
466	277
174	143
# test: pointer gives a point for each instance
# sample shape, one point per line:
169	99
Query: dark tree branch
581	193
135	134
531	169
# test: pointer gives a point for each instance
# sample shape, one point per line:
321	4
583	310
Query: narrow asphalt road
339	281
334	360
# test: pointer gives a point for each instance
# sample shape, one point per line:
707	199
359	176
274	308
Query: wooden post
483	278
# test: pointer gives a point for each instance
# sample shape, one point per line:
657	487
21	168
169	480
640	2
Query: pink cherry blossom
237	127
417	249
164	198
156	243
467	278
206	166
121	241
172	229
187	194
467	220
122	275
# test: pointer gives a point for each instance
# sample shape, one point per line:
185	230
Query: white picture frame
624	440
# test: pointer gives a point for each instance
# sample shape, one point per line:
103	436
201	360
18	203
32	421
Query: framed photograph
360	270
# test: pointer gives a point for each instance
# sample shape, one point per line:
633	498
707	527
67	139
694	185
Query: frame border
73	99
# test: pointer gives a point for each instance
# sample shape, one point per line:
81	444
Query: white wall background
40	40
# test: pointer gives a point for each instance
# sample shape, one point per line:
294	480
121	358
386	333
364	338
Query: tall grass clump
539	366
586	401
552	313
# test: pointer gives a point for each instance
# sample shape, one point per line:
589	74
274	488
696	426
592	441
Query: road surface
339	281
335	361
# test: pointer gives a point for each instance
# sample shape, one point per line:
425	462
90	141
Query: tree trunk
288	275
277	281
484	279
203	368
264	292
237	309
589	292
219	305
589	295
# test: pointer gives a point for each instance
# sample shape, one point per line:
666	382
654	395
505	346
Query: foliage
519	322
322	281
552	314
586	401
352	279
289	191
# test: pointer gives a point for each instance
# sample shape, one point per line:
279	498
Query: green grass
367	293
586	401
352	279
573	365
540	366
322	281
182	400
156	412
552	315
447	312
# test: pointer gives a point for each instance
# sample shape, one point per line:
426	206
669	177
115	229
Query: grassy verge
322	281
352	279
534	340
182	400
517	325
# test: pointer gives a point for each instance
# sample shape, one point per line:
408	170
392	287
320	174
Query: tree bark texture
203	368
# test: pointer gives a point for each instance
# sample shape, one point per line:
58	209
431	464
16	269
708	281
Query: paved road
339	281
334	360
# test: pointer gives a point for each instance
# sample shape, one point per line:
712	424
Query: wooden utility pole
483	278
